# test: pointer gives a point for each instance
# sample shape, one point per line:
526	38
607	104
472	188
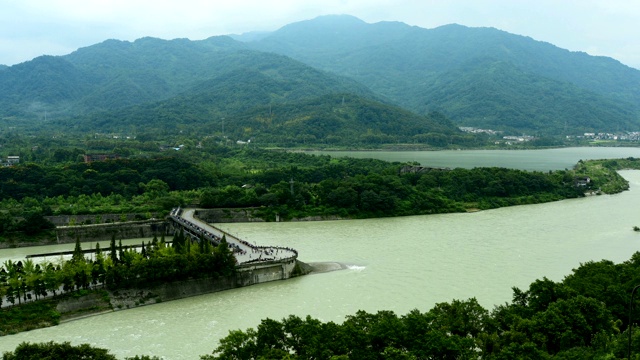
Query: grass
28	316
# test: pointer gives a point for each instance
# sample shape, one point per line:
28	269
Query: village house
11	160
99	157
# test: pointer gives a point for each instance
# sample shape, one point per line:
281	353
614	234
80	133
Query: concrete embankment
122	299
91	233
124	230
103	301
248	215
246	275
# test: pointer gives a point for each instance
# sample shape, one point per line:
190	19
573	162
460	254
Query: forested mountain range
326	79
477	76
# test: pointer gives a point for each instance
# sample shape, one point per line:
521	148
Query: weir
244	252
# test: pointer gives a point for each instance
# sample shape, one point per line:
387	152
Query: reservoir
395	264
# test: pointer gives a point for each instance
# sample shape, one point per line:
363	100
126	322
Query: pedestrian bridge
244	252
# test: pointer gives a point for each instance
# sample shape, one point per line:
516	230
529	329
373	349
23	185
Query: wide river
397	264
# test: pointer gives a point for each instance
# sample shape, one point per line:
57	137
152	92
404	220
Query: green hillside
248	105
406	64
251	80
110	75
477	77
339	119
498	95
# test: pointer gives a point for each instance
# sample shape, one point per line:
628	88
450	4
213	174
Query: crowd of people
237	246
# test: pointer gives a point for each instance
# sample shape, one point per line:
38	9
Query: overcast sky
30	28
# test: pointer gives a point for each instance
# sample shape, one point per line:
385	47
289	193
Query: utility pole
291	184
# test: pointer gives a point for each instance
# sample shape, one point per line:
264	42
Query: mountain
116	75
478	77
408	64
112	74
274	100
216	86
250	36
339	119
482	95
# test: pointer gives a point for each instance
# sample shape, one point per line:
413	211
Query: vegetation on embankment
29	316
604	173
22	282
279	185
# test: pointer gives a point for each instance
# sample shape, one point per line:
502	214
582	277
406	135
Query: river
397	264
540	160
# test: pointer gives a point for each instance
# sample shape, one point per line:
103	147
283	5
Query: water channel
397	264
539	160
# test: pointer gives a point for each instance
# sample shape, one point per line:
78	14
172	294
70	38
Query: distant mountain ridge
479	77
407	63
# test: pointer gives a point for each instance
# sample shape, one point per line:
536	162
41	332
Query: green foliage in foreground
584	316
51	350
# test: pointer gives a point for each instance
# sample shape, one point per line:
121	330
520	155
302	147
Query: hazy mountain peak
477	76
250	36
336	20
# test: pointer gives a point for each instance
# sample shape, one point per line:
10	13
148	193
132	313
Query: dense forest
292	185
584	316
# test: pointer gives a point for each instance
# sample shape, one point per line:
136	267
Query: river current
395	264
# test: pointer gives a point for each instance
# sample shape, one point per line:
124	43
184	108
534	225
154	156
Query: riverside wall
228	215
100	232
142	228
247	215
246	275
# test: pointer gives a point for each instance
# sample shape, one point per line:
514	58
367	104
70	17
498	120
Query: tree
52	278
179	242
120	250
78	255
34	223
238	345
156	188
51	350
14	281
113	251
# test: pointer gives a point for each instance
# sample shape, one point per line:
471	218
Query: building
99	157
583	181
13	160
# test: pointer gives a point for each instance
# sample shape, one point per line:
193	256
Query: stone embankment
247	215
256	265
246	275
121	230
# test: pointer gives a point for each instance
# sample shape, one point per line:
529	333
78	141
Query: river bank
83	303
91	233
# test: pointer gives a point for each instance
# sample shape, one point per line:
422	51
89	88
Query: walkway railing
245	252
